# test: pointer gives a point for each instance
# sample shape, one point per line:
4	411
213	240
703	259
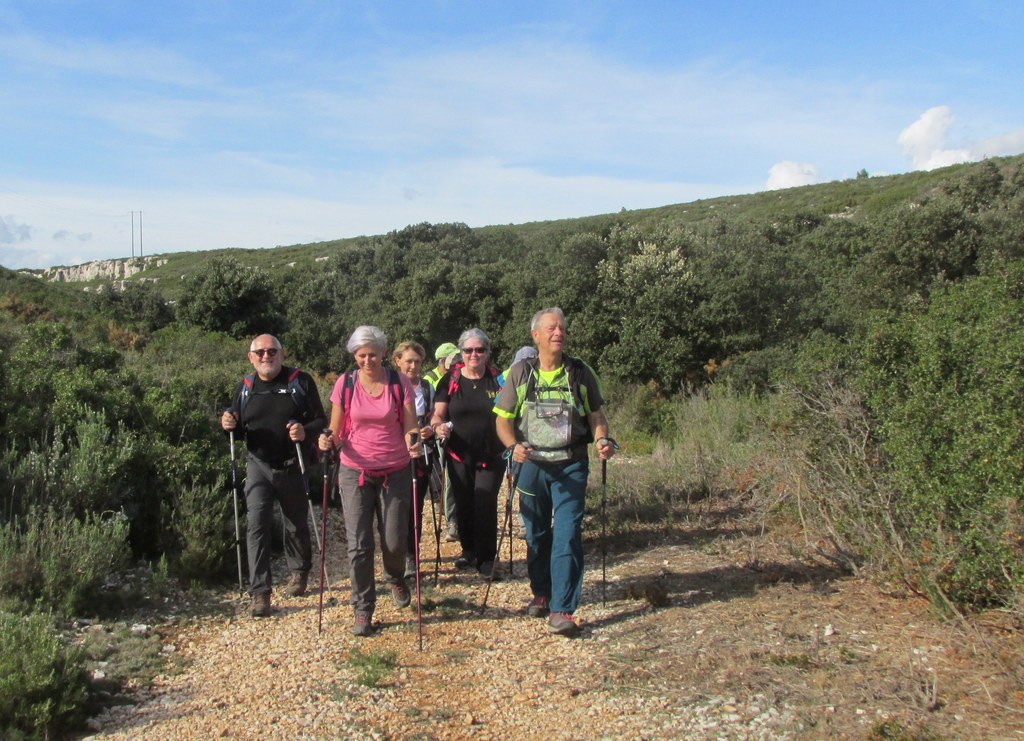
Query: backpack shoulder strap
298	393
453	382
397	392
247	383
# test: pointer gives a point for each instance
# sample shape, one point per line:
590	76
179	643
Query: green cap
443	351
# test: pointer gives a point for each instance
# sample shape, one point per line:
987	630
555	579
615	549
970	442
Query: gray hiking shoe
362	626
453	533
260	606
487	568
410	567
297	584
561	623
538	607
400	593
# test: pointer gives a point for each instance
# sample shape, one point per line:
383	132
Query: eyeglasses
270	352
471	350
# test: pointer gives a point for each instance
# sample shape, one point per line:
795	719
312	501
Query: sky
130	127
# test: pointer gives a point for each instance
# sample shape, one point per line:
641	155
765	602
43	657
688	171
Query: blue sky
257	124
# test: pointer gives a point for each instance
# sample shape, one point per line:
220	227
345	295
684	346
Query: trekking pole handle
298	449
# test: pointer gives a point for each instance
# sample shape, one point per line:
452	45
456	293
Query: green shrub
43	684
717	441
204	530
950	400
58	562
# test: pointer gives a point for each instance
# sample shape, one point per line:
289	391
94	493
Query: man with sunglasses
275	408
548	413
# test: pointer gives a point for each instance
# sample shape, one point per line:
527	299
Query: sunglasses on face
270	352
471	350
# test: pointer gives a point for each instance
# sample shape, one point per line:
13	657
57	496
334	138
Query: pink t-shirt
375	439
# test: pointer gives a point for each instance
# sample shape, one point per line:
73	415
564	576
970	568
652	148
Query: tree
229	297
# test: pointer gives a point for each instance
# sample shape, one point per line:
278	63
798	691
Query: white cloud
926	142
1000	146
789	174
123	60
12	232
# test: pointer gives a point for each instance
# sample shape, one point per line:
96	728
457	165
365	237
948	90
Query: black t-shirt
474	438
269	409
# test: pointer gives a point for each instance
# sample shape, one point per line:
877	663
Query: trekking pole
413	437
323	529
234	494
505	525
442	475
604	522
510	494
309	501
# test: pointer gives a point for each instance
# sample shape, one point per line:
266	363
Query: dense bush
204	531
43	684
947	386
55	561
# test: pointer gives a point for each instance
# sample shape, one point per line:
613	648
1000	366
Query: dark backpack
295	390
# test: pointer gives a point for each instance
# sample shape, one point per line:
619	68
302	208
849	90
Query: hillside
861	198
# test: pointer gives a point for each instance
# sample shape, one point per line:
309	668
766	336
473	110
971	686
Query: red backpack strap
397	393
453	384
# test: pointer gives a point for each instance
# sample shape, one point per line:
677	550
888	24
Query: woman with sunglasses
465	398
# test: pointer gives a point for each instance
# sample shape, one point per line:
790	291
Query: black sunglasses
471	350
271	352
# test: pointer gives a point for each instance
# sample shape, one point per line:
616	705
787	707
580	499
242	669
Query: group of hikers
538	419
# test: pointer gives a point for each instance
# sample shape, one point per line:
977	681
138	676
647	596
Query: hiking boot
538	607
465	560
400	593
362	626
260	607
561	623
487	568
410	567
297	584
453	533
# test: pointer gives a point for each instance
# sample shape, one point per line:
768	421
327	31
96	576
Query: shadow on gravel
668	588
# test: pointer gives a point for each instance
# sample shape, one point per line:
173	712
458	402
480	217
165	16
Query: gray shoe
453	533
410	567
362	626
400	593
260	606
538	607
561	623
297	584
487	568
465	561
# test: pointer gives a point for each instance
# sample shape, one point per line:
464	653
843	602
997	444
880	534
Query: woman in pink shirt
373	411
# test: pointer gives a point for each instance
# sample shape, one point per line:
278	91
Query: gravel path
711	630
495	675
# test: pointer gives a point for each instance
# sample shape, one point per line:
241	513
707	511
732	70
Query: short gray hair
535	322
364	335
475	333
252	345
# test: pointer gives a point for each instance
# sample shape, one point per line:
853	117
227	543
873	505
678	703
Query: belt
280	466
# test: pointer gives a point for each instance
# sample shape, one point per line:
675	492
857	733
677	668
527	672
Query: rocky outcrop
101	270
